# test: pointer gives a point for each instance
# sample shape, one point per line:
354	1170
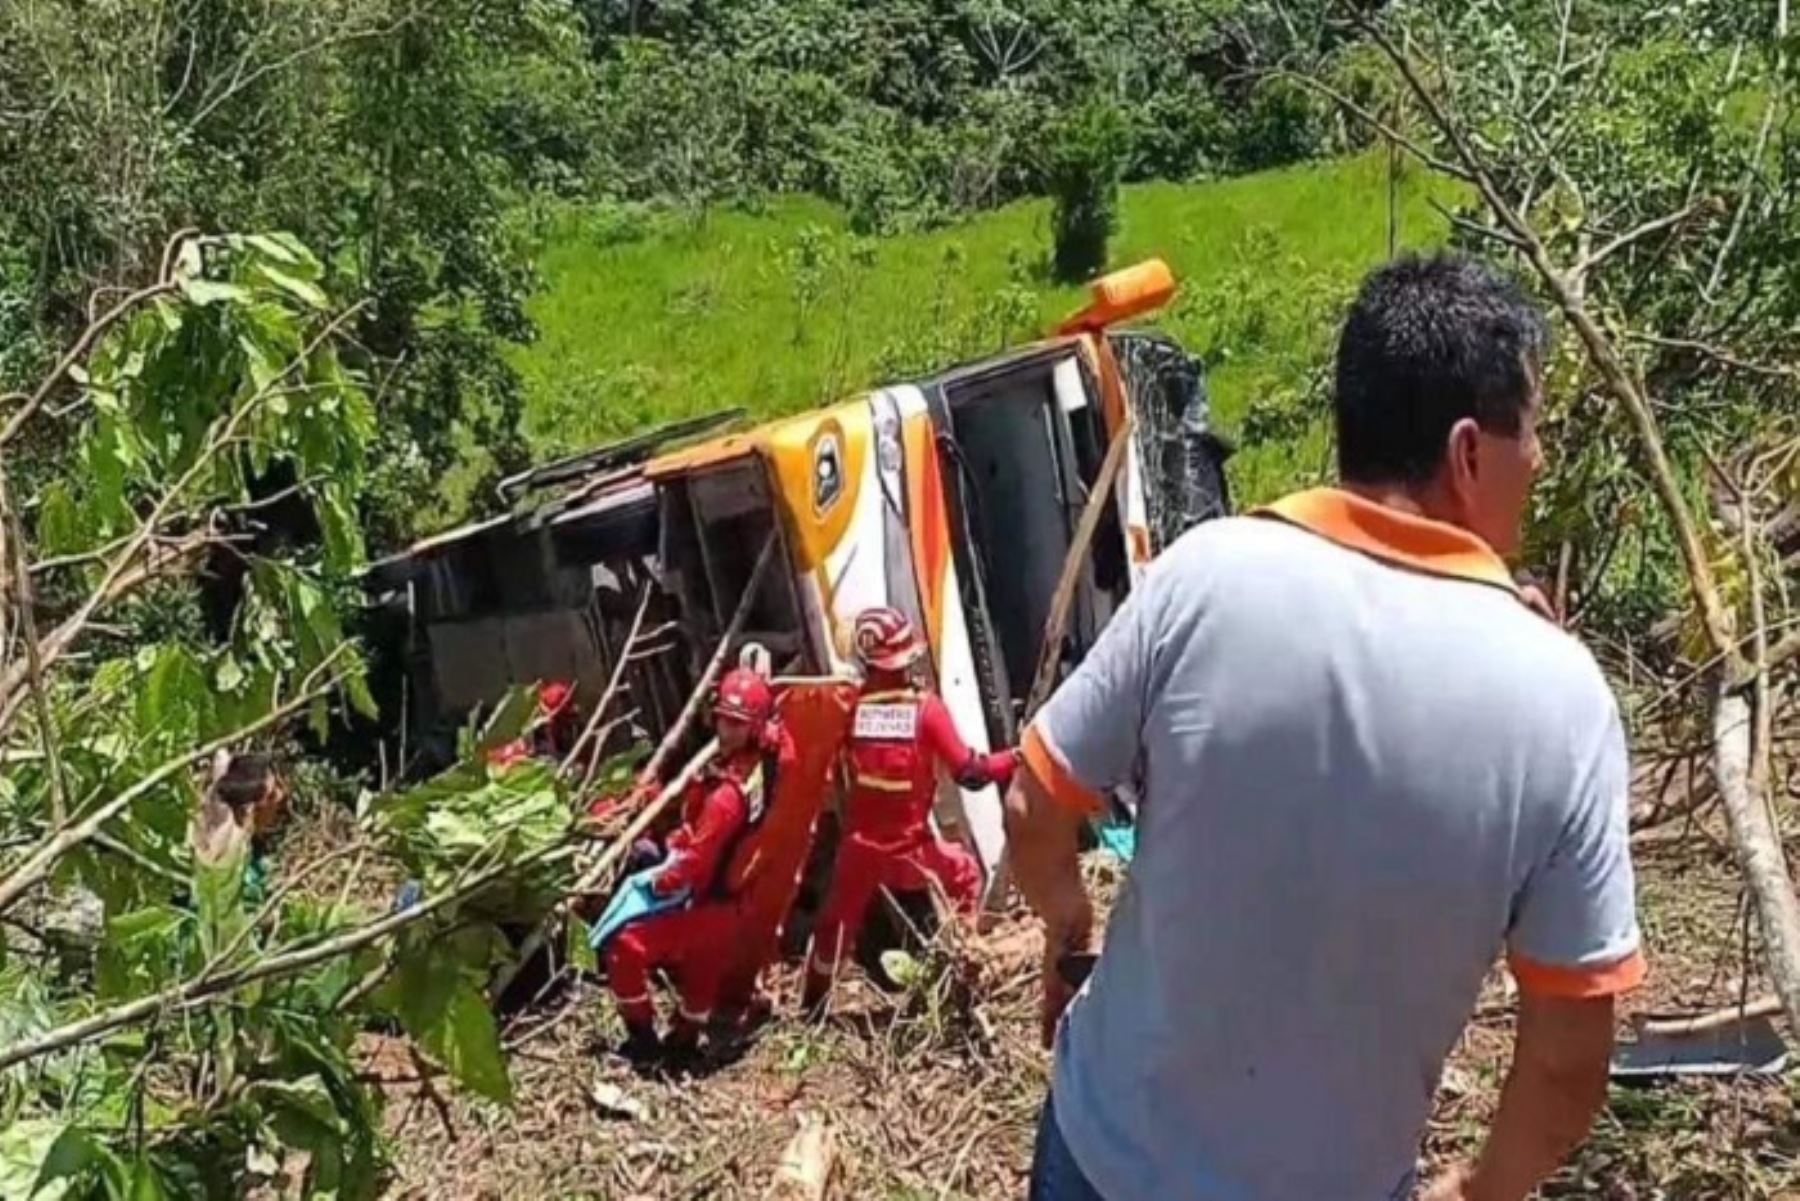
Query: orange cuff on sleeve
1578	983
1048	770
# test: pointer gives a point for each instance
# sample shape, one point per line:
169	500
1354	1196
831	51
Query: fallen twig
1716	1019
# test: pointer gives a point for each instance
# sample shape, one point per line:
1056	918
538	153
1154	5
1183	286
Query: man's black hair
245	780
1429	342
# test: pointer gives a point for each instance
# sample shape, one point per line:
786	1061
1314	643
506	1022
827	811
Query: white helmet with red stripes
886	640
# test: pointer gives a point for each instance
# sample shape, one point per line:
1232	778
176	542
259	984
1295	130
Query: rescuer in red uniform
719	806
899	735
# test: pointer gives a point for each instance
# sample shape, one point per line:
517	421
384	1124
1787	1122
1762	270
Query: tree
225	369
1085	162
400	139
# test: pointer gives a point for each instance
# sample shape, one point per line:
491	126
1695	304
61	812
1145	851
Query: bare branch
243	79
14	535
77	352
596	877
612	687
1648	228
113	846
1387	131
1618	379
1745	192
120	575
212	986
1565	10
1716	354
1476	228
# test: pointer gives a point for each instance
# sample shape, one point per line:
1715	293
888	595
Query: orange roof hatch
1121	295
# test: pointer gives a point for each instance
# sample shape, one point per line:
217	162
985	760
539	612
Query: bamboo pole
612	683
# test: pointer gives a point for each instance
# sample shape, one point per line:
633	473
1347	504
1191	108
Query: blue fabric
411	891
1118	838
1055	1176
634	901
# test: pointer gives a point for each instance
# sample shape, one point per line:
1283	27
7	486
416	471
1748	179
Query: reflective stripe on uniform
883	783
893	694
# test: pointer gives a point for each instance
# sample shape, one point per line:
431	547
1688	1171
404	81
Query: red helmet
552	697
886	641
744	696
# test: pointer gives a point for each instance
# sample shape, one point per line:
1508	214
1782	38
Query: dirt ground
932	1092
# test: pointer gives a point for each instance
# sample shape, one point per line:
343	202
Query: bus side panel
830	493
941	594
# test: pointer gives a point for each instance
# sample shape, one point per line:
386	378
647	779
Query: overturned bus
954	498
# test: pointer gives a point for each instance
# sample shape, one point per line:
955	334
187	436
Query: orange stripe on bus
929	523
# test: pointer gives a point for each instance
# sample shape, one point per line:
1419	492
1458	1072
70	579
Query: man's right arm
1084	741
1573	948
1043	848
1556	1086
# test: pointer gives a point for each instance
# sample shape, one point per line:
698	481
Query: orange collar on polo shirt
1403	539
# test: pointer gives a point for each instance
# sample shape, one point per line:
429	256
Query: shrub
1087	156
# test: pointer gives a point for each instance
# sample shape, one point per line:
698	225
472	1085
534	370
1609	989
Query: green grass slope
648	317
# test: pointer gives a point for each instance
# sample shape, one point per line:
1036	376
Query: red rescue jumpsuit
898	737
689	942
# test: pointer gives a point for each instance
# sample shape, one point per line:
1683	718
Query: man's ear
1463	457
221	763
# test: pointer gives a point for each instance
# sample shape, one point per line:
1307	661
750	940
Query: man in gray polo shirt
1367	769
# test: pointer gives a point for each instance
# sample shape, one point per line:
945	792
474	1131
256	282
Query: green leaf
59	524
356	687
146	1185
77	1155
436	996
469	1046
141	951
208	291
581	955
219	891
342	534
306	1118
263	369
229	675
284	248
902	968
511	718
25	1147
309	294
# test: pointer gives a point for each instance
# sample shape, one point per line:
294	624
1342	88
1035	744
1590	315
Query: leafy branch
218	984
42	859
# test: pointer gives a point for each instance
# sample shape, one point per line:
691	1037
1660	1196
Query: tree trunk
1758	844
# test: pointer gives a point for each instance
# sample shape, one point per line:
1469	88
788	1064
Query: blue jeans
1054	1174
